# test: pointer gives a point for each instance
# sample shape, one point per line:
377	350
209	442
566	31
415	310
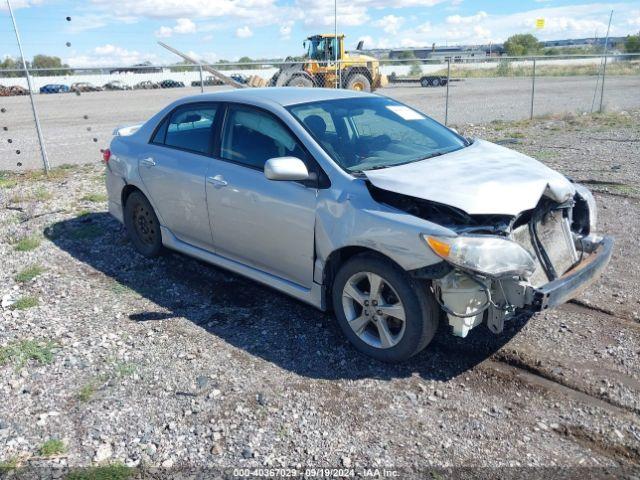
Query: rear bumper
575	280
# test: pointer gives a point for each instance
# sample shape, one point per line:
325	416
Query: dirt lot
76	127
110	358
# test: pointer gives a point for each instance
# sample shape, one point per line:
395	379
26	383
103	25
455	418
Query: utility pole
43	150
604	67
335	32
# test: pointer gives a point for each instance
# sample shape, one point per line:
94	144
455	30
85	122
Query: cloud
574	21
458	19
108	56
258	12
16	4
389	23
183	26
320	14
244	32
285	30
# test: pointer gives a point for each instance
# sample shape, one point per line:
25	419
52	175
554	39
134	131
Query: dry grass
506	69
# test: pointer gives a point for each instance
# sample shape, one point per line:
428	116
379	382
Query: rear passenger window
252	137
189	128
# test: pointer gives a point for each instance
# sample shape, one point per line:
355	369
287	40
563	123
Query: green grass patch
6	182
20	353
52	447
124	369
29	273
116	471
27	244
8	465
94	197
544	155
25	303
42	194
87	391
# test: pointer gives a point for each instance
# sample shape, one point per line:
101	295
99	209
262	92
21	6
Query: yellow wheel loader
318	68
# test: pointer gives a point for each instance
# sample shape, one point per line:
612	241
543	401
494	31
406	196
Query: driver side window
252	137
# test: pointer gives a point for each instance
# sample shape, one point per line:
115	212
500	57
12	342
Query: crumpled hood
483	178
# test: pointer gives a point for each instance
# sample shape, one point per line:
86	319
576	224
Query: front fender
356	220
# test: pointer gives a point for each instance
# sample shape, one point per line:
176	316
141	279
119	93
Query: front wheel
383	311
359	83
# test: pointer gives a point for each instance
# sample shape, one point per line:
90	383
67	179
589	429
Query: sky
125	32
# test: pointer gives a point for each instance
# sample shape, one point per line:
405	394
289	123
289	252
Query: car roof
284	96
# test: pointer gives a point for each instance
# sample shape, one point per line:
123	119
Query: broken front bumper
575	280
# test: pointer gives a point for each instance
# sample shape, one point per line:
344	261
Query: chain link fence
79	108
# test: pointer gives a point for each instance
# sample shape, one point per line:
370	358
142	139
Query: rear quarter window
188	128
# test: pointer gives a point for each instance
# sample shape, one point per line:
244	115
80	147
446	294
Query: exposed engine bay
558	236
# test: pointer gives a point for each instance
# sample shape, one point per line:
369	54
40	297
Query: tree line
38	62
527	44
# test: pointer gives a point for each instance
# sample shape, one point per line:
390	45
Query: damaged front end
498	266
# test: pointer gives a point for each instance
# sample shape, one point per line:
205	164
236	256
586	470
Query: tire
300	81
436	82
359	82
364	324
143	227
425	82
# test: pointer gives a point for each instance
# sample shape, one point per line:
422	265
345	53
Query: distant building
462	53
139	68
454	54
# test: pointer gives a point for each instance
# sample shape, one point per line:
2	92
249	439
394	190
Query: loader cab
322	48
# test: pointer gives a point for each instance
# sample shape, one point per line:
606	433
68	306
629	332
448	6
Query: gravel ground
171	363
77	127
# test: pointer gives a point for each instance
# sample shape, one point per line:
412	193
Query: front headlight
489	255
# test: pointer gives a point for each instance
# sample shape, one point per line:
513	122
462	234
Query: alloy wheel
373	310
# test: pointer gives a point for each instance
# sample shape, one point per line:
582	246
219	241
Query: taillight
106	155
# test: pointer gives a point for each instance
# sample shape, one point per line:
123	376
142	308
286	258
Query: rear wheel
425	82
435	82
359	82
142	225
383	311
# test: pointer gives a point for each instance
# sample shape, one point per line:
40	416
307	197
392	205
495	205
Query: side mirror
286	168
454	130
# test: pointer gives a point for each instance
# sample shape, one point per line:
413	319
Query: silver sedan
356	203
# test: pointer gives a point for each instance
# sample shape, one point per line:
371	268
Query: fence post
43	150
533	88
604	75
201	80
446	102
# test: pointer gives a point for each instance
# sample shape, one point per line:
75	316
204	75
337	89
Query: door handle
218	181
148	162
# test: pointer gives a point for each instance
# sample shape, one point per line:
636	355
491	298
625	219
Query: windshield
374	132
